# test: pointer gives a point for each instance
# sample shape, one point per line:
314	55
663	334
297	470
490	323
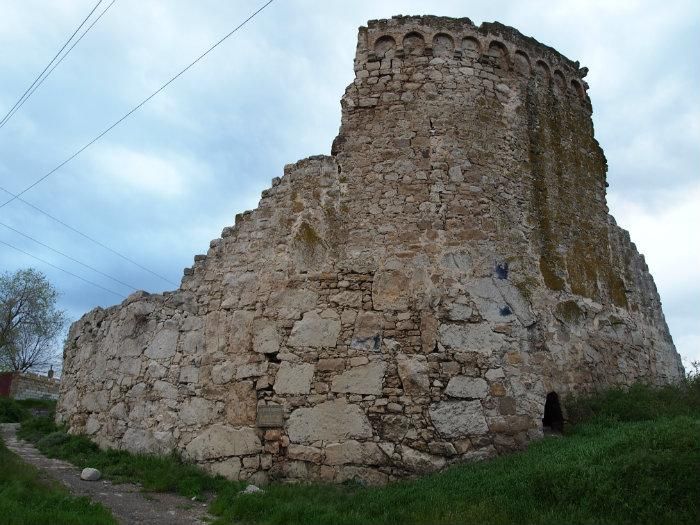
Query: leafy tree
30	323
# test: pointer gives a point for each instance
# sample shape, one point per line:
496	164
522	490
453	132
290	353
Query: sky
167	180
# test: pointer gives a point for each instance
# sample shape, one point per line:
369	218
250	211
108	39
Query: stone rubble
408	301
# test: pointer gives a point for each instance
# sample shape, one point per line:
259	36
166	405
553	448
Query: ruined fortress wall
405	303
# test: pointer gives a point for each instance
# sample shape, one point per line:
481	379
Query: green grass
629	457
154	473
26	499
14	411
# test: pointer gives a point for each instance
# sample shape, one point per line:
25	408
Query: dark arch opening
553	420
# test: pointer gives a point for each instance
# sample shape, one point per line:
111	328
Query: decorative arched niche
499	54
578	89
521	63
385	47
542	72
559	81
413	44
443	45
471	47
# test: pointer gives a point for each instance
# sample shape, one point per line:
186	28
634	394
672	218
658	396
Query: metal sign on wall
270	416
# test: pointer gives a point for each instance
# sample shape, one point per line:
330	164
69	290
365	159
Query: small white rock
90	474
251	489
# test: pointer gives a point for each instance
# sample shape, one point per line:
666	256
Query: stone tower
422	296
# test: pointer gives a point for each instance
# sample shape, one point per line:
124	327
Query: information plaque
270	416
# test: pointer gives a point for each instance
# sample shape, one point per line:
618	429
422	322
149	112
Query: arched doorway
553	420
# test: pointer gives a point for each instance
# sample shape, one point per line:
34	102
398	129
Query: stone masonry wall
403	304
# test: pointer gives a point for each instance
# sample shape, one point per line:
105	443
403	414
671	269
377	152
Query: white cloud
666	235
159	175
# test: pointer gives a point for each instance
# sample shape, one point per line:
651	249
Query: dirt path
126	501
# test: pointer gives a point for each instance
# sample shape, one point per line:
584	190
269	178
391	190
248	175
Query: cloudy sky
167	180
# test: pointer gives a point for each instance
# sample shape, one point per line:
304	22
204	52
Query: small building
26	385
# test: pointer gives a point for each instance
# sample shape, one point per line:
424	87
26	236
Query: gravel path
126	501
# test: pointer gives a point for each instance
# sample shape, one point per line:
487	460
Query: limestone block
294	378
163	345
193	342
290	303
413	371
363	475
315	331
334	421
251	370
220	441
455	419
351	299
266	339
222	373
420	462
189	374
241	404
354	452
229	468
196	411
391	290
469	337
144	441
368	331
240	329
467	387
165	390
366	379
304	453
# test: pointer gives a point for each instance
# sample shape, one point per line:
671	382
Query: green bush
12	411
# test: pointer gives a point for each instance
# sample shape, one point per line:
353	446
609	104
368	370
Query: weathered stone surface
163	345
420	462
365	379
294	379
315	331
266	339
449	265
470	337
329	421
413	371
467	387
220	441
354	452
455	419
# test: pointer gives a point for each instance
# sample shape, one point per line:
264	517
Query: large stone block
333	421
354	452
163	345
315	330
365	379
469	337
467	387
456	419
294	378
221	441
413	371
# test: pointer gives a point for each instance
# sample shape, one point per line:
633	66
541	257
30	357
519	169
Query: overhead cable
9	113
61	269
135	108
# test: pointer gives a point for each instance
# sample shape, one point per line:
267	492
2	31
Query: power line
7	116
16	109
64	271
68	256
135	108
91	239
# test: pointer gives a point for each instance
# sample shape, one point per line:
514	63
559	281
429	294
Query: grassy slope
25	499
632	457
